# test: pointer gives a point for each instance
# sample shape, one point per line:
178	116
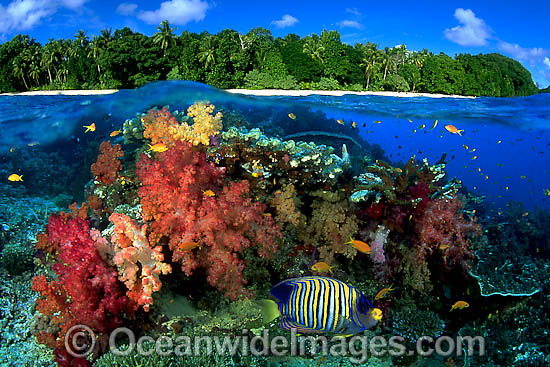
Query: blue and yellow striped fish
320	304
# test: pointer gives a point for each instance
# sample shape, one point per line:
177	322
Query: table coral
134	255
106	168
223	224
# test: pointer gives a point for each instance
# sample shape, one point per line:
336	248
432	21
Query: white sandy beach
261	92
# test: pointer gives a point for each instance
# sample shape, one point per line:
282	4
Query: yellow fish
377	122
115	133
353	124
292	116
460	305
158	147
434	125
422	126
453	130
186	246
500	141
383	292
444	247
547	192
340	121
474	157
359	245
322	267
410	120
15	177
465	146
90	127
33	143
208	193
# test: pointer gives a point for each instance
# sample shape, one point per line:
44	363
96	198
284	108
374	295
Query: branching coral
222	224
204	125
87	291
139	266
331	224
106	168
285	202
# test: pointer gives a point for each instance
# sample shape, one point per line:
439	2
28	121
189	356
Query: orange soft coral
107	165
204	125
158	125
133	254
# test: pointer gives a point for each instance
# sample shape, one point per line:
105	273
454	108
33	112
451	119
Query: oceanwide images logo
80	342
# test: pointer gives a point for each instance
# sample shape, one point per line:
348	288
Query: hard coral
107	165
223	225
87	291
133	255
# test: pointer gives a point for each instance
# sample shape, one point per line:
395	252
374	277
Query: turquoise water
492	250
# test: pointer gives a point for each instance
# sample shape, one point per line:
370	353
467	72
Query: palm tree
106	37
49	58
164	36
388	61
81	38
95	51
314	48
20	70
369	60
206	53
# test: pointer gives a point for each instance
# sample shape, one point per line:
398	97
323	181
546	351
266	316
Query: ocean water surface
491	251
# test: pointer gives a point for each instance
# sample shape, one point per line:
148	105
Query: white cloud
472	32
521	53
21	15
178	12
286	21
547	62
353	11
350	24
126	9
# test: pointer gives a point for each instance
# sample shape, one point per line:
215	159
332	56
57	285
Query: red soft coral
107	165
224	224
442	228
87	291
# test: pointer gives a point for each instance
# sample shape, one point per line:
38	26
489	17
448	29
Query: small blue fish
320	304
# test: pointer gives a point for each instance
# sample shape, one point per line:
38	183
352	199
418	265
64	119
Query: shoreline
254	92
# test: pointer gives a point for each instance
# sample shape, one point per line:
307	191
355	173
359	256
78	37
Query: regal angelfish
320	304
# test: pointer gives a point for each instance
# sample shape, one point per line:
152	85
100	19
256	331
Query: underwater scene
182	225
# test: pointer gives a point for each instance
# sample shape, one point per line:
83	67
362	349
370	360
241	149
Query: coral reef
223	224
204	125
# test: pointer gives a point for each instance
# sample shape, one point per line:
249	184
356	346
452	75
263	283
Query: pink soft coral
134	255
87	290
224	224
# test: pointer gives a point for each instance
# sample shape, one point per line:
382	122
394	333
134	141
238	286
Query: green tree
164	37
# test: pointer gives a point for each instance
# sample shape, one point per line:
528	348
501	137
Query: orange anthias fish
115	133
359	245
383	292
158	147
90	127
208	193
460	305
292	116
340	121
186	246
322	267
453	130
353	124
15	177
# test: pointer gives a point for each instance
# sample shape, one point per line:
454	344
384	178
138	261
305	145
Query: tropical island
124	59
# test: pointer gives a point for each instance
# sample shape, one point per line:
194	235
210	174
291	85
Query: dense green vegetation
545	90
126	59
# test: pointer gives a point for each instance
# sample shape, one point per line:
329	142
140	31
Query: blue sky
518	29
